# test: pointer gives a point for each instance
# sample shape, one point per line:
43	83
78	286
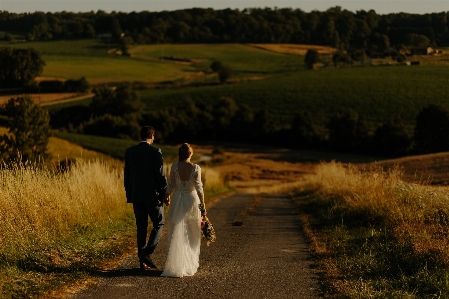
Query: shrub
391	139
348	132
74	115
80	85
224	74
306	130
216	66
312	57
119	102
51	86
432	130
111	126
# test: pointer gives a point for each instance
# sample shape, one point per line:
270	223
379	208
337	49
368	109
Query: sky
380	6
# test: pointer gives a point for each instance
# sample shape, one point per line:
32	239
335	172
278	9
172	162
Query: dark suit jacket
145	179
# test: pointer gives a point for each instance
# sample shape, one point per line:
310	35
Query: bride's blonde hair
185	151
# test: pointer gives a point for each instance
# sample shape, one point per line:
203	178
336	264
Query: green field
378	93
285	88
90	58
112	146
245	61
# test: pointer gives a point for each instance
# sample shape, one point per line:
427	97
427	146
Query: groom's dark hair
146	132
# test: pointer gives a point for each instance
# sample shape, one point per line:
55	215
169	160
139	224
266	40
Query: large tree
28	130
19	67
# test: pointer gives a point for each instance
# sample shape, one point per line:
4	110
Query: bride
184	216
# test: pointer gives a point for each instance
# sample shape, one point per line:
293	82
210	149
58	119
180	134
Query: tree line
335	27
120	113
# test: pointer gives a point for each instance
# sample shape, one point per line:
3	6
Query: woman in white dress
184	216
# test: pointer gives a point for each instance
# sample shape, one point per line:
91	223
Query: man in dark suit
145	184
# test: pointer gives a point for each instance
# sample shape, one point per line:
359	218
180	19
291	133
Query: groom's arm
126	173
160	172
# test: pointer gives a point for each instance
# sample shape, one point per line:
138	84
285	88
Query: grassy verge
376	236
57	228
114	147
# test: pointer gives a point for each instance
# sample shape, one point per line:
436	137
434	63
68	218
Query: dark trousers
156	213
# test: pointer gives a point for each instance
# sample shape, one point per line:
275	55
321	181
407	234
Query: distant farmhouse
421	51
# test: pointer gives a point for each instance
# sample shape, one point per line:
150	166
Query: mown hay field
295	49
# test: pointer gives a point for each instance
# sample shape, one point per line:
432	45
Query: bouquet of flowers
207	231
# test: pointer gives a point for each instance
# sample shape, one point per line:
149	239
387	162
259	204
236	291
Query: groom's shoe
146	260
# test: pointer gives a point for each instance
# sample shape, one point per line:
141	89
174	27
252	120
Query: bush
111	126
71	85
391	139
216	66
224	74
73	116
51	86
306	131
312	57
432	130
80	85
119	102
348	132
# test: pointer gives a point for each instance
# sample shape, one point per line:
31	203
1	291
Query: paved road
266	257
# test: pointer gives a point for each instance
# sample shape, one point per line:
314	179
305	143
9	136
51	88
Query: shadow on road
127	272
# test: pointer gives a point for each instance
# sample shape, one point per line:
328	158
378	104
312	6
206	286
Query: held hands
167	199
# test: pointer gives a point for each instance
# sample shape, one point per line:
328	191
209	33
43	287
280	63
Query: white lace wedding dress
183	223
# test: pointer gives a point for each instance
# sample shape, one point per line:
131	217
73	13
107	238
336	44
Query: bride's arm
171	184
199	190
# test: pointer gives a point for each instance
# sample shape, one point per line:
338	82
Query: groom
145	184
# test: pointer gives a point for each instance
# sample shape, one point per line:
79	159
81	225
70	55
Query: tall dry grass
40	208
378	237
417	213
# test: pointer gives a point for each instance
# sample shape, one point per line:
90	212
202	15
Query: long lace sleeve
199	184
172	180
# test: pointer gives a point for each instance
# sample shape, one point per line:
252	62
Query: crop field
90	58
245	61
96	60
378	93
284	87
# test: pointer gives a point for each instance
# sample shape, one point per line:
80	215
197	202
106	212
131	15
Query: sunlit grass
377	236
60	149
57	227
62	223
